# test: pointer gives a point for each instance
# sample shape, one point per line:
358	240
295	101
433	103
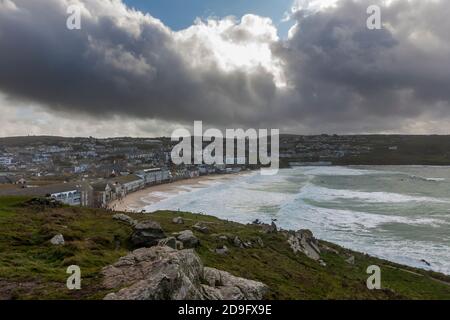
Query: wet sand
136	201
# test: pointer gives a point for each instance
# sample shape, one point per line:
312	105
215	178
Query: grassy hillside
32	268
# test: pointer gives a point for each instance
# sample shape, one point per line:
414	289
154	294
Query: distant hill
356	149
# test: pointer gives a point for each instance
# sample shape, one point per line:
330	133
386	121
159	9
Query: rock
256	221
147	234
200	227
57	240
270	228
223	238
188	239
351	260
169	242
162	273
124	218
247	244
273	227
237	242
178	220
426	262
327	248
43	203
222	250
156	273
180	245
322	263
303	241
260	242
229	287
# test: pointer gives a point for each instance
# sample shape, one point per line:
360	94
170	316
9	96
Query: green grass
32	268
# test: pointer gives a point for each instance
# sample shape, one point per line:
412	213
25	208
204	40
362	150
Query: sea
399	213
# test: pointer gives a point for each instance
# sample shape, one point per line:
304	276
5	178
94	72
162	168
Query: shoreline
136	201
166	196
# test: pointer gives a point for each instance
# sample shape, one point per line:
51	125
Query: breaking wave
317	193
401	227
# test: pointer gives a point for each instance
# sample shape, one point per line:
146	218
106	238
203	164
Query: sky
180	14
147	67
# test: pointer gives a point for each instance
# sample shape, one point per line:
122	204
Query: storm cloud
352	77
330	74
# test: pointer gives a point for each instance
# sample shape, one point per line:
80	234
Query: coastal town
95	172
91	172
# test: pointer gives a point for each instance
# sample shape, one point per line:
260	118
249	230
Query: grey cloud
106	69
350	76
340	75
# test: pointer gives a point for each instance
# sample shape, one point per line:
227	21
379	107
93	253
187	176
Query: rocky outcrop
268	228
255	242
147	234
222	250
260	242
225	286
188	239
273	228
238	242
157	273
303	241
328	249
350	260
200	227
43	203
57	240
178	220
170	242
126	219
162	273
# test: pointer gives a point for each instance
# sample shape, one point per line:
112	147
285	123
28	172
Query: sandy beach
136	201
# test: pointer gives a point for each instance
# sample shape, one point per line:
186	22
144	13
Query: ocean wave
317	193
322	219
427	179
338	171
244	199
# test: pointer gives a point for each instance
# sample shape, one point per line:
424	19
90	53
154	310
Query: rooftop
39	191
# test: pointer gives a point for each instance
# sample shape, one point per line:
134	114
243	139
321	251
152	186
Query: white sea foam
313	192
427	179
338	171
246	198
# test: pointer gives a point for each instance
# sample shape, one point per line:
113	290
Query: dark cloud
109	67
356	78
338	75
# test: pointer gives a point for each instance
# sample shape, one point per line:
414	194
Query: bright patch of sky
180	14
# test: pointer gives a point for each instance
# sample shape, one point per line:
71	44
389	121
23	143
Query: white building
81	168
67	193
6	161
41	158
154	176
129	183
71	197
